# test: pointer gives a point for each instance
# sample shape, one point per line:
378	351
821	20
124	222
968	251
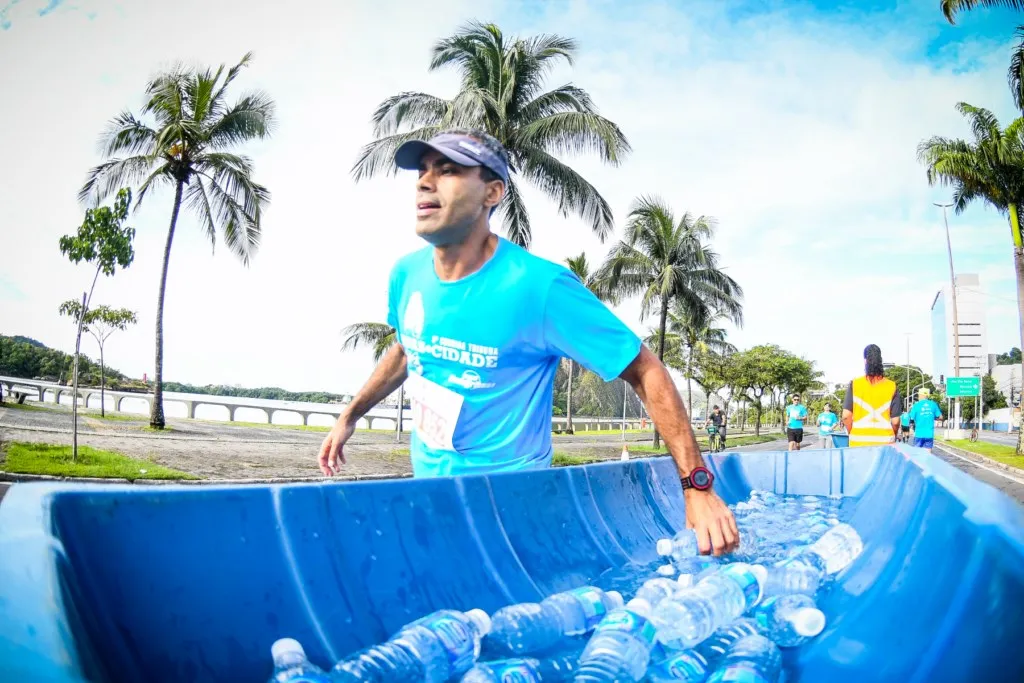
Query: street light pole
908	362
956	320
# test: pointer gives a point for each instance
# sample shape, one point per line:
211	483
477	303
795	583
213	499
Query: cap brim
408	155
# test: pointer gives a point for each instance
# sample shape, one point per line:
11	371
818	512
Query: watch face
700	478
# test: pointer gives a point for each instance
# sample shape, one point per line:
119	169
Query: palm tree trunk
1018	266
689	379
568	401
156	415
661	354
103	383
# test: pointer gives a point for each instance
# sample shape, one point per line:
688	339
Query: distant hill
29	340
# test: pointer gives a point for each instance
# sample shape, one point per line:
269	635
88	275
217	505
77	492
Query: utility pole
956	319
908	363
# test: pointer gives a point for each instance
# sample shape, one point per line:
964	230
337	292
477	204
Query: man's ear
495	193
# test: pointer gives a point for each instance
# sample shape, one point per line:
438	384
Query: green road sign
963	386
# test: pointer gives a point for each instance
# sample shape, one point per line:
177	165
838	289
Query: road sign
963	386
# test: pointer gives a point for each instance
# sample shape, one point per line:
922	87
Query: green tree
991	169
1011	357
100	240
992	399
187	144
713	374
100	322
669	263
501	93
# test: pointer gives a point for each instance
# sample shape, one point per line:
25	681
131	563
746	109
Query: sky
794	124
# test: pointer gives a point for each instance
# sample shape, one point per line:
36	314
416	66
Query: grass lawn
1004	454
82	412
41	458
562	459
600	432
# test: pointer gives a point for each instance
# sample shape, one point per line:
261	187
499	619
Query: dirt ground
224	451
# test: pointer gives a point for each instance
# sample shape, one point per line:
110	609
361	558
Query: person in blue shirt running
481	325
796	415
905	427
827	421
923	415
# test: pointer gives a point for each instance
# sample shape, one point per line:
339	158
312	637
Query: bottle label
514	671
593	607
746	580
457	638
739	673
685	666
624	620
764	611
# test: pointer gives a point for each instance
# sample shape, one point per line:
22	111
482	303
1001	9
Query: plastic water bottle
446	642
789	620
534	627
753	659
291	665
687	666
680	547
525	670
693	615
658	589
806	572
620	649
395	660
718	644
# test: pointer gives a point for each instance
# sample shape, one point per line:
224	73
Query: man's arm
706	513
389	374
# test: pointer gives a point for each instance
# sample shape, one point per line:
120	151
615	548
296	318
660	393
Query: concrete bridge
50	392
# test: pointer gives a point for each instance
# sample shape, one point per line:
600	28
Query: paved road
1000	438
1010	483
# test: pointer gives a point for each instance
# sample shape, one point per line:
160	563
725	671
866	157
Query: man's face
450	199
796	399
828	408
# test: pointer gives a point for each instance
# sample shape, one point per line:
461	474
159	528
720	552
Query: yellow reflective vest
871	420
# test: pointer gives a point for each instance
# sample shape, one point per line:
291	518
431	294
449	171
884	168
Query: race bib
435	411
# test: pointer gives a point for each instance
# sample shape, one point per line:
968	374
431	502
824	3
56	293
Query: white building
970	305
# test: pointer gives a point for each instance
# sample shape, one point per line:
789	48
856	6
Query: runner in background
924	413
873	405
827	421
796	415
905	427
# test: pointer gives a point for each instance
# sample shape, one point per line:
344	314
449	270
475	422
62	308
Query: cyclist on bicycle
827	421
717	420
923	414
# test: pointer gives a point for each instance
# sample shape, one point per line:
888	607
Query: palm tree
991	169
1015	76
669	263
581	269
950	8
501	94
692	331
187	146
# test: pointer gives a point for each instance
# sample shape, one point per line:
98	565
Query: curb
13	477
970	455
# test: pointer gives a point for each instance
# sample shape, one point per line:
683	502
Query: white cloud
798	136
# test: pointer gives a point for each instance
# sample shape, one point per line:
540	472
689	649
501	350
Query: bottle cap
639	606
615	598
286	646
664	547
667	570
808	621
481	620
685	580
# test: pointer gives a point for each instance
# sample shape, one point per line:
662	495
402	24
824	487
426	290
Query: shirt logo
413	319
470	379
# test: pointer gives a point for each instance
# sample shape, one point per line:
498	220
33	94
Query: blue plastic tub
184	584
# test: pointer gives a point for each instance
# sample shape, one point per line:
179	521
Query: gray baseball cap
460	148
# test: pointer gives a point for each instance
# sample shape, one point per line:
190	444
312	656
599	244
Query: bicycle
714	439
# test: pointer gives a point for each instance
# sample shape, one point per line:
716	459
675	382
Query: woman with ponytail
872	407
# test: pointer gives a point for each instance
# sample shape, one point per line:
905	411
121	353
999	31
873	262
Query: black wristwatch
700	478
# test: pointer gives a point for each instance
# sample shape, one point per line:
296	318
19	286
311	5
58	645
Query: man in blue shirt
827	421
905	427
481	327
796	414
923	414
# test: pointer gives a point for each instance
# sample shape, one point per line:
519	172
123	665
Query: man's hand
712	521
332	450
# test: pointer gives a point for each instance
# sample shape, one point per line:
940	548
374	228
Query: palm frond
984	123
198	200
251	118
563	99
569	189
127	135
411	109
378	336
514	216
575	132
106	178
951	8
1015	75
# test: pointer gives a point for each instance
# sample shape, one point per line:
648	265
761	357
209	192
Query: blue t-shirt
482	354
793	412
924	413
827	422
905	419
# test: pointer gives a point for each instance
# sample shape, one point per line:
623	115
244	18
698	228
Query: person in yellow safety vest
873	405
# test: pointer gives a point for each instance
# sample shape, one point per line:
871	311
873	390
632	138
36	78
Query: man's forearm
389	374
656	389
